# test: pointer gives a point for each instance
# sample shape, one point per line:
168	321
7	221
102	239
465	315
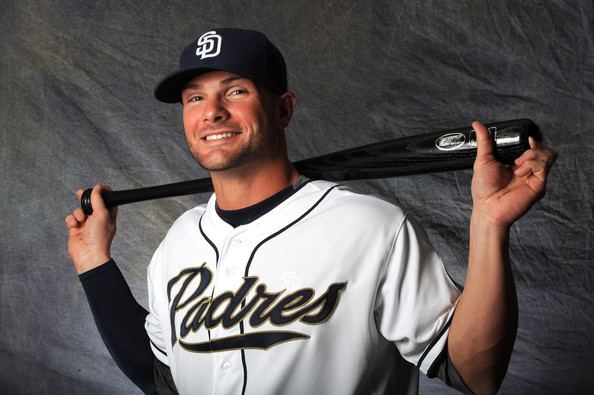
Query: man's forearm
484	326
120	321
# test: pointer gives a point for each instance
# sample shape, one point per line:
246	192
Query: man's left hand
501	193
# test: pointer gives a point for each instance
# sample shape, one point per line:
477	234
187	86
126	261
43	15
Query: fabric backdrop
76	108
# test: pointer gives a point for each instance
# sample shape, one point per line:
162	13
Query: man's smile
213	137
219	135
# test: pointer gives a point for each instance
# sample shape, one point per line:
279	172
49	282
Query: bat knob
85	201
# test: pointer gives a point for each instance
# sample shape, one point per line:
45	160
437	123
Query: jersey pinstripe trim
157	348
432	344
247	270
214	247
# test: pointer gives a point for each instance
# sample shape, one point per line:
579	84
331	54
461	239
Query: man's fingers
79	215
96	198
113	211
530	154
525	169
537	166
484	142
537	153
71	222
77	218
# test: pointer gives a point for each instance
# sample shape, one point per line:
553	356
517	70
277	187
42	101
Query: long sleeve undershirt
120	321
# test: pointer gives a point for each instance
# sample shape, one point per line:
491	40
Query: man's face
228	121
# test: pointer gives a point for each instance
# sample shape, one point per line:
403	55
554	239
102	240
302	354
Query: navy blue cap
244	52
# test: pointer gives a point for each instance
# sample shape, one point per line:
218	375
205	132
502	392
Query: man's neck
252	183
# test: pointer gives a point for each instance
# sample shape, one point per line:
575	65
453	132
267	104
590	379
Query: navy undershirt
244	216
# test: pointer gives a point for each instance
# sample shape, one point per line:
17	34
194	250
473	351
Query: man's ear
286	107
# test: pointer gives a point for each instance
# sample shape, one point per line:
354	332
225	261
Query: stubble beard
246	153
229	162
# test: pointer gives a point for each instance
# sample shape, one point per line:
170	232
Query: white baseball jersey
318	296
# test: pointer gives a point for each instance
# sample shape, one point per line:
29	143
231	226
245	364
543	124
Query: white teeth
219	136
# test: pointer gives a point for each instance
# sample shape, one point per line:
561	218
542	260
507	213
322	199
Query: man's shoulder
344	199
183	229
349	195
189	219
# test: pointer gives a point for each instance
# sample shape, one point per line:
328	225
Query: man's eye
194	98
238	91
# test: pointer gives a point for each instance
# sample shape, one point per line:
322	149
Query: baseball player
284	285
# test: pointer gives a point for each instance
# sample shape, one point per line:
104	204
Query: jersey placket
227	373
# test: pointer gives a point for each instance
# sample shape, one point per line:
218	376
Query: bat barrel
448	150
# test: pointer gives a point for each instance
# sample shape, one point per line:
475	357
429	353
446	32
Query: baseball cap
244	52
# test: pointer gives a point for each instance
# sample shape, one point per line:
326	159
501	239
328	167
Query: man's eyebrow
232	79
226	81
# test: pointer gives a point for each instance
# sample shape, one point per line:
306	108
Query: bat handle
108	200
116	198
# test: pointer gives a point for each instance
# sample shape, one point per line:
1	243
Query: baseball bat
452	149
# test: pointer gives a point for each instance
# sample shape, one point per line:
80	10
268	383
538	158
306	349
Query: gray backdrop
76	108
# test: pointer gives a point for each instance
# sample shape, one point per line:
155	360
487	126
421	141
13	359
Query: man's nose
215	111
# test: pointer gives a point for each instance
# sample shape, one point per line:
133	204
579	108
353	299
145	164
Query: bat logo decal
450	141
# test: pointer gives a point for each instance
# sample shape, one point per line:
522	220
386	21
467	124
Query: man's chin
221	165
215	168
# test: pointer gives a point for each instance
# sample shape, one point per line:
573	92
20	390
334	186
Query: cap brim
168	90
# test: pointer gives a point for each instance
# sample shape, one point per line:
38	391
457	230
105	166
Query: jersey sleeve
153	321
416	298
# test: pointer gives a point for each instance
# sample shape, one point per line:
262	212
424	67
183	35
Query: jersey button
226	366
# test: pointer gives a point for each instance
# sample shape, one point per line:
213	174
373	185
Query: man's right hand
90	237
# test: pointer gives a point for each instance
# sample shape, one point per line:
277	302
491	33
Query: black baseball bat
453	149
